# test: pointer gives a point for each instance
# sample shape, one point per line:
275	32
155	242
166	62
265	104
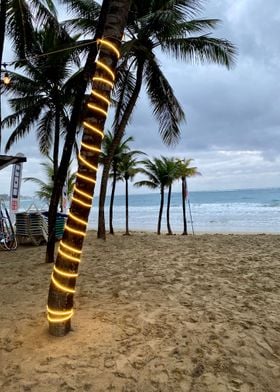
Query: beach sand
152	313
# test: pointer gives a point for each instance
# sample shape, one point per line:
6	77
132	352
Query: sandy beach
152	313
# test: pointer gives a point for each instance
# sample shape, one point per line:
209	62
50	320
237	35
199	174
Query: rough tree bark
59	180
111	229
63	280
126	206
168	211
184	193
160	208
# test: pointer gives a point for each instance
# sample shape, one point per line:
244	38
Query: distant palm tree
127	168
155	170
123	147
183	171
171	176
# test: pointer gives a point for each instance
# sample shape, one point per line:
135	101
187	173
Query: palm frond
201	50
167	109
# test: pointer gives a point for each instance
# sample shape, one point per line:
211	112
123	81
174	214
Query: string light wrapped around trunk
69	251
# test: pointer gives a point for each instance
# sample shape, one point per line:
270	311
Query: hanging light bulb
6	79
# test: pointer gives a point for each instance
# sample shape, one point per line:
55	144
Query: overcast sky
232	130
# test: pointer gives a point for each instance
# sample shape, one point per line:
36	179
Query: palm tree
122	148
43	94
158	177
88	71
165	25
171	175
17	20
126	170
63	280
183	171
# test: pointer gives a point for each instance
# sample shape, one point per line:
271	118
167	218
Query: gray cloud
233	117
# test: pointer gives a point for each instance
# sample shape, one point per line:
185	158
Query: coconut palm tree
127	168
155	171
17	21
171	176
165	25
63	280
42	95
88	70
123	147
184	170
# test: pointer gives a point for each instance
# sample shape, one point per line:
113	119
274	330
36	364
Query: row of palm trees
48	95
160	174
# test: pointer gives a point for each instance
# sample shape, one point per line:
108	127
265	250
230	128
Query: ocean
236	211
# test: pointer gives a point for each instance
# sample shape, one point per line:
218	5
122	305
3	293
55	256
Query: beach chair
31	226
7	235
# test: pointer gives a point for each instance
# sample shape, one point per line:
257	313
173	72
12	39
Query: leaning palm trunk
184	196
65	272
112	202
56	141
101	232
70	138
168	211
160	208
126	207
3	11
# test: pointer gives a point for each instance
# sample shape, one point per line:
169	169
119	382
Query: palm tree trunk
184	195
112	202
3	11
101	233
63	280
160	208
3	16
89	69
168	210
126	207
56	141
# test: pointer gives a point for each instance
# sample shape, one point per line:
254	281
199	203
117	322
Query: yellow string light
58	316
59	312
86	178
78	232
82	193
60	319
81	221
85	162
69	257
87	146
61	286
103	80
106	68
97	108
70	247
82	203
110	45
104	99
92	128
66	274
